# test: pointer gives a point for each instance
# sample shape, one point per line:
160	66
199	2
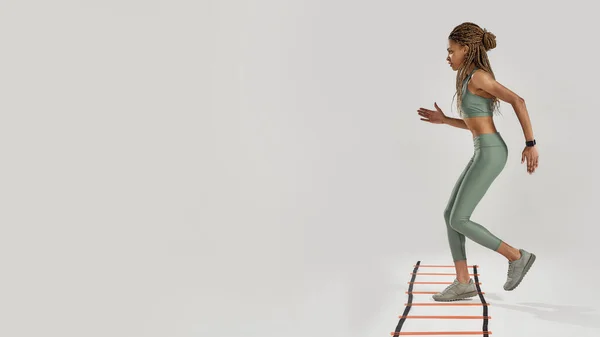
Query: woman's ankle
461	280
515	256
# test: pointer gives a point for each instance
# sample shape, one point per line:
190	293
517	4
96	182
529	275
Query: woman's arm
490	85
485	81
455	122
523	116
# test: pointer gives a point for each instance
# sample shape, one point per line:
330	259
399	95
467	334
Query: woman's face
456	54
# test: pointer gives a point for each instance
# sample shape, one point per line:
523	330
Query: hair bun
488	40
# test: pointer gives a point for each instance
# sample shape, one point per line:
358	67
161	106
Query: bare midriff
480	125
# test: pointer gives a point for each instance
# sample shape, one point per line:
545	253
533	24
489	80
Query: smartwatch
530	143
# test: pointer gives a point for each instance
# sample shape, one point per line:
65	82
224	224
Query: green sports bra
473	105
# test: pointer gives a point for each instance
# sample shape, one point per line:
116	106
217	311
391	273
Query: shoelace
449	287
511	267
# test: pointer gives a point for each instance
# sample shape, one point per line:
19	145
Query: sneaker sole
461	297
525	270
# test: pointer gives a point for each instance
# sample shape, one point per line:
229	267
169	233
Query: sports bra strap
473	71
470	75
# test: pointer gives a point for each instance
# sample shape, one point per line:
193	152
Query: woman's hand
433	116
531	154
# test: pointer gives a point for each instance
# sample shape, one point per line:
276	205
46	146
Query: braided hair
479	42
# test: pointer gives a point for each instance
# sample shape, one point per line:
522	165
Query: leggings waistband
488	139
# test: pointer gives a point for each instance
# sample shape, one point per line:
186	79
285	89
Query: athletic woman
478	96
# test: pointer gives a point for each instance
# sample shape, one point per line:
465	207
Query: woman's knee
459	224
447	216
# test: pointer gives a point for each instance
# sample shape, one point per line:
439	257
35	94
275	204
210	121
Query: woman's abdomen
481	125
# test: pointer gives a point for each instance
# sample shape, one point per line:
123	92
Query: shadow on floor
571	314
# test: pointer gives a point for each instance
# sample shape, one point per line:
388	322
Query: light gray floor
365	298
537	306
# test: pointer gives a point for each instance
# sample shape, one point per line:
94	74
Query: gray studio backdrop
226	168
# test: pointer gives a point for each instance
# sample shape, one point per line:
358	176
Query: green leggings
488	161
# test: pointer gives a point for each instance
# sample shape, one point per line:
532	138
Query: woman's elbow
518	101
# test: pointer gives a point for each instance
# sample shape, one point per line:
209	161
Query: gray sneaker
457	291
517	269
